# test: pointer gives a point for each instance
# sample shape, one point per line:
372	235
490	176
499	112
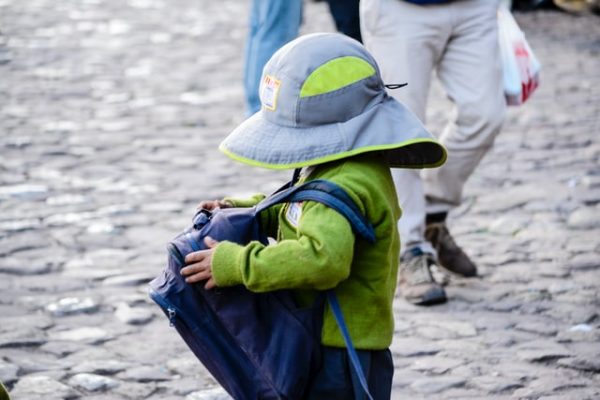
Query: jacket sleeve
319	257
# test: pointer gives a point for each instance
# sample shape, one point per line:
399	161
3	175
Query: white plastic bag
520	67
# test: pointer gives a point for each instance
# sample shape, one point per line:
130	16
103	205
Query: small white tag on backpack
294	212
269	91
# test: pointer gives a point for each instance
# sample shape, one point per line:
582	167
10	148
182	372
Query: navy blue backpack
256	345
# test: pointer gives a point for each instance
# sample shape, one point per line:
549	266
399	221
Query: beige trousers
458	41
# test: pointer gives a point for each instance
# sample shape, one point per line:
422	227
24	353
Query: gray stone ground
110	115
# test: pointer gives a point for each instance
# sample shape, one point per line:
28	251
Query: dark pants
336	378
345	13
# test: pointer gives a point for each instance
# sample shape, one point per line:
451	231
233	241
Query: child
325	110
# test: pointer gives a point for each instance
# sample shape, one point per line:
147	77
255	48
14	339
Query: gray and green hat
322	100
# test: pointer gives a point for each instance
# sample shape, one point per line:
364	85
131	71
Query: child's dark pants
336	378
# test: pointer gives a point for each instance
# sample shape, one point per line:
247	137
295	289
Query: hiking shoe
449	255
416	282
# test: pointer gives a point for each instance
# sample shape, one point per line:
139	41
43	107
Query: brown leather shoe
416	283
449	255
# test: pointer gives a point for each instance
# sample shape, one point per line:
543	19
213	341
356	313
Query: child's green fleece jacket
317	250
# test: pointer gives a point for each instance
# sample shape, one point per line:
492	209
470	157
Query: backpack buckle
201	218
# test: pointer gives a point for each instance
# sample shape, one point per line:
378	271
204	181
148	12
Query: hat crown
319	79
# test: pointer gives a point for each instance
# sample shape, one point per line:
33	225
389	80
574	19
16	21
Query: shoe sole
431	298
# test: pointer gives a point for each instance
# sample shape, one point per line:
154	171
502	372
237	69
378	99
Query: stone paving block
436	365
61	349
587	261
72	305
8	372
184	386
588	363
577	394
210	394
544	328
134	390
548	386
41	388
495	384
89	334
133	316
145	373
412	347
432	386
92	382
22	337
101	367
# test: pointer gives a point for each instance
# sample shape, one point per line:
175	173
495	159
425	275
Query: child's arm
319	257
245	202
228	202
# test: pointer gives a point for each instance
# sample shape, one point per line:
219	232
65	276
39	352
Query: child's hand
199	265
211	205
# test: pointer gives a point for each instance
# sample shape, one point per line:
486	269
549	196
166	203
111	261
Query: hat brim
387	127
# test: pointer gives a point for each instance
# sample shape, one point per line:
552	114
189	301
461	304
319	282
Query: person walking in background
458	40
346	16
273	23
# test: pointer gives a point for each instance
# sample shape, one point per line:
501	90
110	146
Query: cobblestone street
110	117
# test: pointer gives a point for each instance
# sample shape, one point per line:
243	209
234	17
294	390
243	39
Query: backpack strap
339	318
333	196
329	194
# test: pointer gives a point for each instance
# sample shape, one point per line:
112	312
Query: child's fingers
198	271
198	277
210	242
210	284
193	269
207	205
197	256
211	205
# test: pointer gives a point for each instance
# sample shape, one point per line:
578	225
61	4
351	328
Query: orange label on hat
269	91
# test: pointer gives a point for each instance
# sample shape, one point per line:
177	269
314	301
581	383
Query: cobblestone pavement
110	115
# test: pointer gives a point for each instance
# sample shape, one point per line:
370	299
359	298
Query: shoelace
395	85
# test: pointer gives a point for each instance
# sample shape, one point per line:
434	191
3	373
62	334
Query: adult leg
470	72
346	17
273	23
407	41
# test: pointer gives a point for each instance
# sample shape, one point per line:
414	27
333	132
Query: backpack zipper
172	313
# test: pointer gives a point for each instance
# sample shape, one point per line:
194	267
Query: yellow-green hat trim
339	156
335	74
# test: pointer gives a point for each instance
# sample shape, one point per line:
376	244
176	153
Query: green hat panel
336	74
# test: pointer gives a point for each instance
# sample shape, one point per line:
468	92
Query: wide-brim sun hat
323	100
